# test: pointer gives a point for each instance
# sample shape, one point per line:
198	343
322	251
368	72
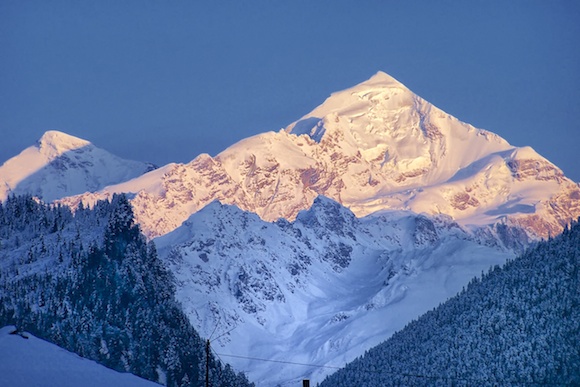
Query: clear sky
164	81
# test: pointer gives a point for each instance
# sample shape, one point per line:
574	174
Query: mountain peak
372	147
382	79
54	143
61	165
358	100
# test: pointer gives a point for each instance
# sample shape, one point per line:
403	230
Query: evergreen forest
90	283
517	325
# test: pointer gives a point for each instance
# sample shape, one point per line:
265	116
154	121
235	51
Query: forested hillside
90	283
517	325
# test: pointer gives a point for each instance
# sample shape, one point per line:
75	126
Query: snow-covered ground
32	362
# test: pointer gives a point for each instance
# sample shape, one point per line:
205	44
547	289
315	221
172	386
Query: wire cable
216	326
281	361
223	334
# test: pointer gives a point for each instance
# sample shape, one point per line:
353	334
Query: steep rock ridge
372	147
60	165
323	288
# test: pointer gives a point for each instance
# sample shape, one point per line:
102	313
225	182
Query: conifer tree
112	301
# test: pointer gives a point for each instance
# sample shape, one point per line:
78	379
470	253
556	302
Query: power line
338	368
208	350
456	378
223	334
216	327
281	361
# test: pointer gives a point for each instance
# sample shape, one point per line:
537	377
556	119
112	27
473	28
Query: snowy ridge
322	289
60	165
376	146
28	361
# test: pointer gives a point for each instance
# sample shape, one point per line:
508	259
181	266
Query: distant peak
59	142
54	136
381	79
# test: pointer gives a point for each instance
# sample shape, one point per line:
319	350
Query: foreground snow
29	362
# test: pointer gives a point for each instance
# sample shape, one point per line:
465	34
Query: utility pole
207	363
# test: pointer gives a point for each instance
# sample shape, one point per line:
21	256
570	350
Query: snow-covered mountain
28	361
60	165
322	289
372	147
319	241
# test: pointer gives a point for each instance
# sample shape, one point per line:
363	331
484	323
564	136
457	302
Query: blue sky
165	81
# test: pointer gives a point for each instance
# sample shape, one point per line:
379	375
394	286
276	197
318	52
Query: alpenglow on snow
376	146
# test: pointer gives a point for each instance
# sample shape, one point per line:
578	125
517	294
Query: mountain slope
90	283
28	361
372	147
61	165
518	325
322	289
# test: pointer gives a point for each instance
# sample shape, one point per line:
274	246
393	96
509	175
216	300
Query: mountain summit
54	143
372	147
396	136
61	165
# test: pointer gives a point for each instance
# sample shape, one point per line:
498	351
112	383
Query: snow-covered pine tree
90	283
517	325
